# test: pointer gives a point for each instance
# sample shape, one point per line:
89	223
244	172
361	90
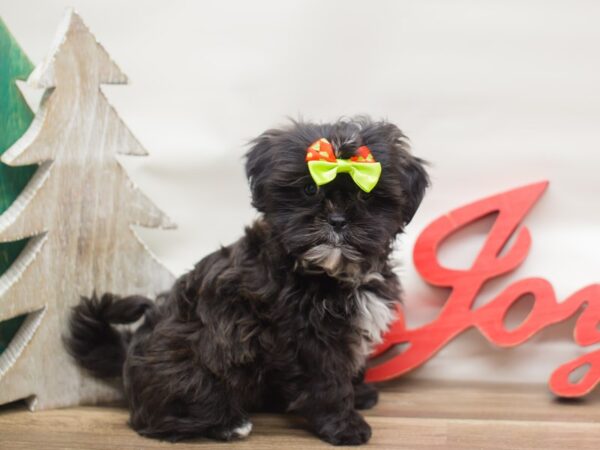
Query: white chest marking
374	318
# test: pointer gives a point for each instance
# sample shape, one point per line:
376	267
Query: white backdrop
494	94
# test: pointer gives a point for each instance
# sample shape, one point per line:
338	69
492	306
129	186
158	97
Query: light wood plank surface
411	414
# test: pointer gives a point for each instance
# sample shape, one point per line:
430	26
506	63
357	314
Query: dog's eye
310	189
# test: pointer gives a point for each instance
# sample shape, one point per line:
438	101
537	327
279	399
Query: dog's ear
409	171
259	164
416	181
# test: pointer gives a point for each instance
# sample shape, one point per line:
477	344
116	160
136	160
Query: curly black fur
284	318
97	346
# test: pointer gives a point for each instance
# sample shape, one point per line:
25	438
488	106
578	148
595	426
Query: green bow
365	175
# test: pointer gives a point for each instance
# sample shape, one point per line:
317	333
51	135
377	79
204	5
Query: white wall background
496	94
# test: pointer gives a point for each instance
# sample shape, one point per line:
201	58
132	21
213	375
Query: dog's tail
95	344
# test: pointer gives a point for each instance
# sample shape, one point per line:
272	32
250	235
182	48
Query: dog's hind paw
243	430
236	432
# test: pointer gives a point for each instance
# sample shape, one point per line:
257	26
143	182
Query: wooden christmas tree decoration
78	210
15	117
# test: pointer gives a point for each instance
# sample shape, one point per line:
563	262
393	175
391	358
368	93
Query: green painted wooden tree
15	117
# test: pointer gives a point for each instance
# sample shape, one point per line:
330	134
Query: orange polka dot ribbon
324	166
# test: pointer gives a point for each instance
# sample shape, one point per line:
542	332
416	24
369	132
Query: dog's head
336	227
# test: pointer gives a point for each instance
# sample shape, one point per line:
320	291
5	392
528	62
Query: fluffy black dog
284	318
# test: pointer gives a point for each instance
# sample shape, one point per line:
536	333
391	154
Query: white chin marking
339	262
325	256
332	261
243	430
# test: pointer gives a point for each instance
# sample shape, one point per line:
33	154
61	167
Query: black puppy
284	318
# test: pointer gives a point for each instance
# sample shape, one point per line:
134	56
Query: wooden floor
410	415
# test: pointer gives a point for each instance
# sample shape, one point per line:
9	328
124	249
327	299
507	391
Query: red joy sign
493	260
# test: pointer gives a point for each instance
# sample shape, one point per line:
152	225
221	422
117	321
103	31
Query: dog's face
336	227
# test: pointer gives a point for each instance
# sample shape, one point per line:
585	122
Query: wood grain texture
411	415
78	210
15	117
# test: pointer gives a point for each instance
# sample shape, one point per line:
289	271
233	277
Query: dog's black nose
337	221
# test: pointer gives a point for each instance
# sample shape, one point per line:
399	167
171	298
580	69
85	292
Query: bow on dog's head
324	166
336	194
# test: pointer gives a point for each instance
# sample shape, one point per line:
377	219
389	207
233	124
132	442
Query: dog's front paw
365	396
350	429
